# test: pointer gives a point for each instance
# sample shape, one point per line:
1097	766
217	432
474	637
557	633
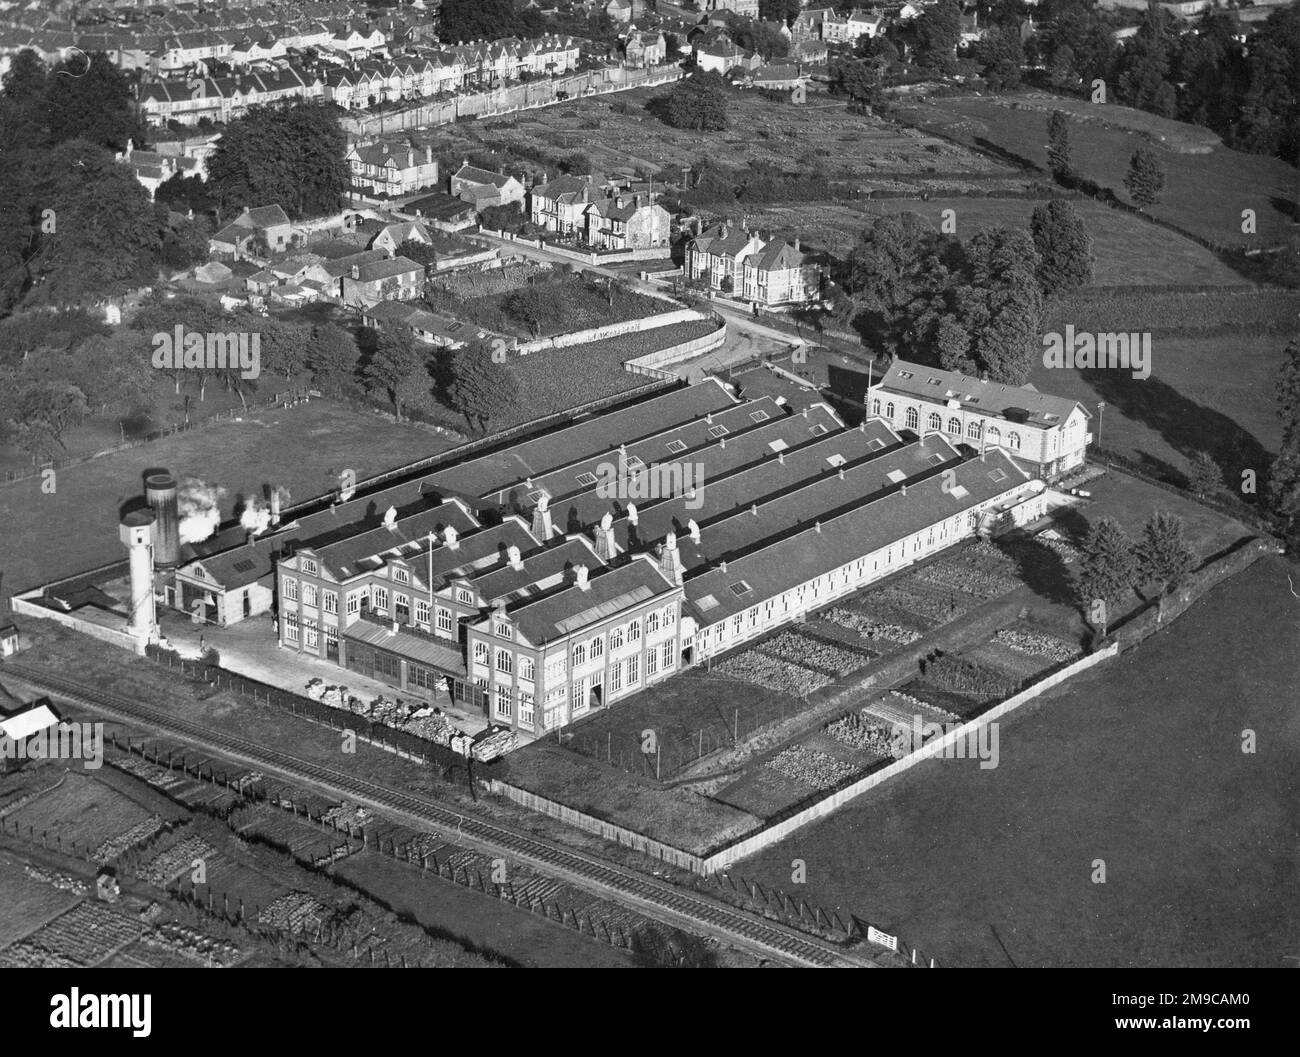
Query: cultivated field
1138	763
302	448
1204	193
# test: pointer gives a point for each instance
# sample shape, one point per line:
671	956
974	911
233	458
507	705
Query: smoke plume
256	517
197	503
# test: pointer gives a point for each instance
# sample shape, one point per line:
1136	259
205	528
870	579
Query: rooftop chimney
670	562
542	519
275	506
390	518
722	565
514	558
903	490
580	577
631	513
605	537
817	526
449	538
693	528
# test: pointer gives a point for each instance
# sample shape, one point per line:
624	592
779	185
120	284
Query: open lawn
1205	193
76	527
1138	763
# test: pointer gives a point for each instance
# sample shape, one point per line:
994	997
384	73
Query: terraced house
1047	435
514	582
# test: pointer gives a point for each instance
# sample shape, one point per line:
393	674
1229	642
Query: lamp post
1101	415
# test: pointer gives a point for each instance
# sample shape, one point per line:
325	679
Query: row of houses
605	215
360	84
736	261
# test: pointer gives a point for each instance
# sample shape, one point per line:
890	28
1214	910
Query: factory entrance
200	604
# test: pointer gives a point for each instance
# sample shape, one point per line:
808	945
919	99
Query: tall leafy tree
392	366
333	357
935	34
1058	147
1064	247
1108	566
481	388
1145	178
1003	303
1000	57
1162	553
92	104
698	102
1204	476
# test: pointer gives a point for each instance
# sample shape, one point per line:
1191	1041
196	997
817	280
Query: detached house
271	222
390	169
781	274
1047	435
560	205
645	48
397	279
626	222
717	256
481	188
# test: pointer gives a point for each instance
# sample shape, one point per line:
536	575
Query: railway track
696	913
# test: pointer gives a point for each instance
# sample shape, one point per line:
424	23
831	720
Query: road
691	911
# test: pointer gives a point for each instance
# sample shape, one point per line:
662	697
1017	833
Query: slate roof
1014	403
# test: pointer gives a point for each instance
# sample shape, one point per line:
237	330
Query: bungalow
481	188
442	211
422	325
388	280
779	77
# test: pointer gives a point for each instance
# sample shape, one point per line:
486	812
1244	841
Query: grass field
1140	764
1204	193
75	528
27	903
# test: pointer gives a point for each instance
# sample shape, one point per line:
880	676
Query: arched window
875	407
973	429
936	422
889	411
954	426
995	435
579	654
913	419
1013	439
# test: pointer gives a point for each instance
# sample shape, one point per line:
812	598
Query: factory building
523	584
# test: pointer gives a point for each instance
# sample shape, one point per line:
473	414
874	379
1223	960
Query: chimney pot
817	526
580	577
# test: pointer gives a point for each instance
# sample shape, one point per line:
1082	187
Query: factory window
935	421
424	678
616	679
388	664
504	703
913	418
309	566
401	576
331	600
634	631
670	613
668	656
579	654
651	623
875	407
310	636
973	428
402	608
444	619
502	629
616	639
889	411
462	595
597	647
633	670
505	661
995	435
738	623
354	603
308	594
527	668
290	589
652	663
1013	440
954	426
525	707
422	611
379	598
291	625
480	653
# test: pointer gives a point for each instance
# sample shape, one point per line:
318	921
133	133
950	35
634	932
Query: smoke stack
450	538
605	538
390	518
160	493
580	577
693	527
631	514
670	561
137	533
275	506
514	558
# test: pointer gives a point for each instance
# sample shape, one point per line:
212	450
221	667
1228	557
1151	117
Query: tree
698	102
779	11
91	103
1284	478
481	388
1108	567
1064	247
1204	475
1058	147
1000	57
860	81
1001	305
333	357
391	366
1145	178
1162	554
292	156
762	37
936	33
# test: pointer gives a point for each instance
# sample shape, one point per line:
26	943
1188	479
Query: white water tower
136	532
